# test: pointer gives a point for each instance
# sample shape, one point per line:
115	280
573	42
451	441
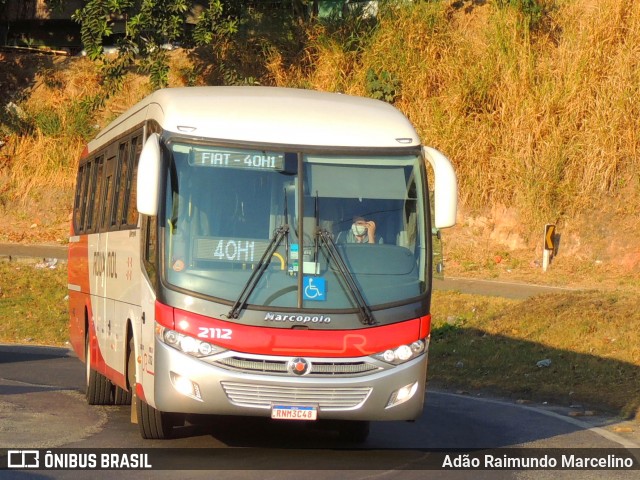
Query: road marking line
573	421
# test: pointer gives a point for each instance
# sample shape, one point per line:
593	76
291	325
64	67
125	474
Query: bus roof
269	115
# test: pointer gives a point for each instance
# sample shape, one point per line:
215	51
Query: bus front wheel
152	423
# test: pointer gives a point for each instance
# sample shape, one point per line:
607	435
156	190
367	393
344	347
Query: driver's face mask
358	230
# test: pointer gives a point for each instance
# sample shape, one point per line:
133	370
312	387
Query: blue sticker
314	288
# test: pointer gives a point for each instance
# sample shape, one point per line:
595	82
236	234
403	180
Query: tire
153	424
121	396
99	388
354	431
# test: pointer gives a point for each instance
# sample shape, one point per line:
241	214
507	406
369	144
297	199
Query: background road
464	285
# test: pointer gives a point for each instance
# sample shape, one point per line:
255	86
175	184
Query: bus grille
275	367
326	398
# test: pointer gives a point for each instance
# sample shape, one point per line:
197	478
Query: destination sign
234	158
229	249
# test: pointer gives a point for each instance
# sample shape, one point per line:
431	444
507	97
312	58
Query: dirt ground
599	247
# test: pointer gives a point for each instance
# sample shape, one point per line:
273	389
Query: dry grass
592	339
45	155
542	122
33	304
543	119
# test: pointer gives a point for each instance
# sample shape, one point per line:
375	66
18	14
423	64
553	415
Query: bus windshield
350	225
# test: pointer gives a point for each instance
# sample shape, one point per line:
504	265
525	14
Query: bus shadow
31	353
474	361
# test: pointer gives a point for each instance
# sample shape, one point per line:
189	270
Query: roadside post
549	245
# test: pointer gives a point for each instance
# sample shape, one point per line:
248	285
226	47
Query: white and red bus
214	265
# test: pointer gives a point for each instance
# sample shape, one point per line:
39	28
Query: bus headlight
402	353
187	344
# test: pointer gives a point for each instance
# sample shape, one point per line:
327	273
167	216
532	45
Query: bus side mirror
445	189
149	176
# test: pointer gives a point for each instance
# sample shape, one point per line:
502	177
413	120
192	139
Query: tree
149	27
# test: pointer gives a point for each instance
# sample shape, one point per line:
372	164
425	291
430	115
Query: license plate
294	412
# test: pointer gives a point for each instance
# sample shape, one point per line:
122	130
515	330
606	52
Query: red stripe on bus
78	263
140	393
282	341
97	359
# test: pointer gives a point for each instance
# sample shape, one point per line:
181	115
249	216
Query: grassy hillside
536	101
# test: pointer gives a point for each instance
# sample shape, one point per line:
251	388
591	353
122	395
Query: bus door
147	316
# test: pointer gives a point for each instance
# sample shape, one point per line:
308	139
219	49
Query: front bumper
228	392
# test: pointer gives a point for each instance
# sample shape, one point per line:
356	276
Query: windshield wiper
280	233
366	315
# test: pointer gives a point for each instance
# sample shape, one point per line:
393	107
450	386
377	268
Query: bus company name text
104	263
278	317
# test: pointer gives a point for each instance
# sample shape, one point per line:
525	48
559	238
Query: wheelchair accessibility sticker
314	288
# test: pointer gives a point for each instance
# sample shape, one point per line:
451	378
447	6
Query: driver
361	231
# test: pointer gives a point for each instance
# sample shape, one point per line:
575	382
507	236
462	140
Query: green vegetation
33	304
149	26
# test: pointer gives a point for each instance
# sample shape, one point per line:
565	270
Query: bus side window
123	183
129	211
118	187
94	193
150	245
80	191
96	200
84	201
107	195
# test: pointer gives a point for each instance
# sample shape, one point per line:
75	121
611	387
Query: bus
257	251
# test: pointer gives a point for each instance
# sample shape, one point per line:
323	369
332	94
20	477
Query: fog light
402	395
185	386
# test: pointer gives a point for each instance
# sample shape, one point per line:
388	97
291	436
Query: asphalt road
42	406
